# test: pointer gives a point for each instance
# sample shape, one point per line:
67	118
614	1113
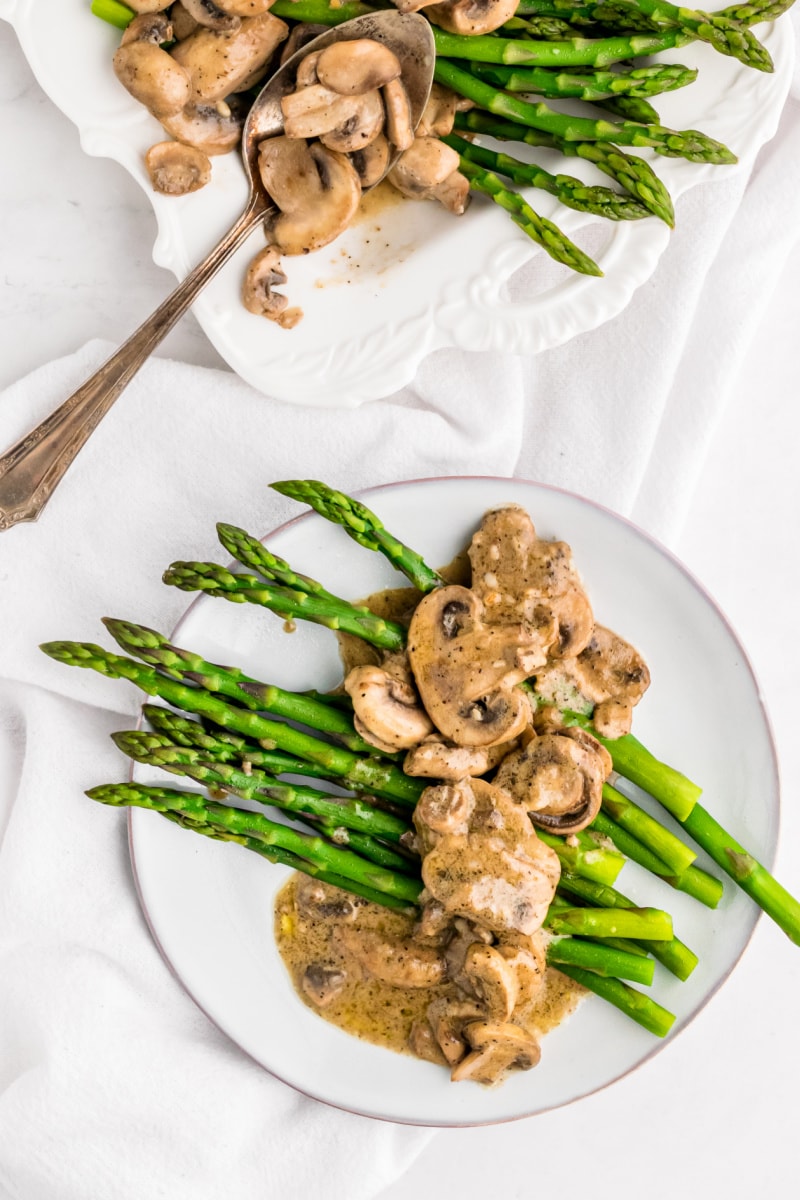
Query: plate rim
754	916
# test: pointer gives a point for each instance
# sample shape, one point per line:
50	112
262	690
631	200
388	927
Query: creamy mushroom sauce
367	1007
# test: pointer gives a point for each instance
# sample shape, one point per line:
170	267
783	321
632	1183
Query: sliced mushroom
175	169
323	984
342	123
300	36
223	63
436	758
399	128
613	718
439	114
465	671
263	274
482	859
317	901
609	667
448	1019
212	128
388	710
150	74
306	74
147	6
520	576
525	955
372	162
211	16
423	1044
357	66
557	779
245	8
399	963
496	1050
472	16
426	171
316	189
182	23
490	977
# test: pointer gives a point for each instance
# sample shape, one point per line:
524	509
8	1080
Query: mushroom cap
386	708
453	194
448	1019
465	671
219	65
306	73
526	956
558	779
399	128
175	169
152	77
359	129
147	6
613	718
436	758
371	162
496	1049
426	163
323	984
439	114
472	16
317	190
357	66
343	123
155	27
490	977
245	8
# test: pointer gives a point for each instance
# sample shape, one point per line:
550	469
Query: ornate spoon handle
32	469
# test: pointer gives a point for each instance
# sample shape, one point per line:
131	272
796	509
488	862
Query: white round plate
210	905
409	278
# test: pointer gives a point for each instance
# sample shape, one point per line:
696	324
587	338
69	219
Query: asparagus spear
596	85
726	35
336	614
580	52
651	833
632	173
673	954
694	882
349	812
632	108
362	774
584	857
573	193
603	960
362	525
242	823
157	651
250	552
640	1008
640	924
690	144
538	228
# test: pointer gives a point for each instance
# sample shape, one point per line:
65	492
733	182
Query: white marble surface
715	1115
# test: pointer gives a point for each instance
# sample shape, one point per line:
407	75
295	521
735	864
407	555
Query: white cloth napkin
113	1086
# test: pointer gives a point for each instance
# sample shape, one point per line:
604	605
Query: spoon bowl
31	470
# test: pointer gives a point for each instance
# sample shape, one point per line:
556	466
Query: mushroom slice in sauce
357	66
496	1050
439	114
436	758
472	16
319	901
323	984
490	977
151	75
465	671
372	161
427	170
448	1019
211	16
175	169
182	22
608	668
558	779
315	111
147	6
488	865
399	128
525	954
387	710
223	63
397	962
212	128
520	576
613	718
300	36
316	189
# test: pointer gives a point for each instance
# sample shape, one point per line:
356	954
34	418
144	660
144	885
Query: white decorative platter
408	278
210	905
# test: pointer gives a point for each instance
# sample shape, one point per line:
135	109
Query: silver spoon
31	470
